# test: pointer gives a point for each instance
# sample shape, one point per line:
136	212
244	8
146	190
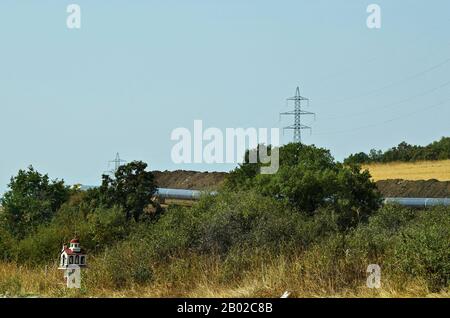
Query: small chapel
72	255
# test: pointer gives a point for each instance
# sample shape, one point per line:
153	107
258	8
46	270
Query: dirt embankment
414	189
193	180
182	179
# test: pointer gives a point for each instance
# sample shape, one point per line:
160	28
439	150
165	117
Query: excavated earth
192	180
183	179
414	189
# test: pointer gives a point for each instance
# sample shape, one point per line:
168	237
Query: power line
344	71
386	121
405	100
394	83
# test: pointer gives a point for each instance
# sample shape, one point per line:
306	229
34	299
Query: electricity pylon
298	112
117	163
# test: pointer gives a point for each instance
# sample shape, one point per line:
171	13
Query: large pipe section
180	194
418	202
184	194
165	193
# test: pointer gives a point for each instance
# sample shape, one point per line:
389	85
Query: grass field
271	279
422	170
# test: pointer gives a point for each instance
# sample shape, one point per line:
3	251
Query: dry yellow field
422	170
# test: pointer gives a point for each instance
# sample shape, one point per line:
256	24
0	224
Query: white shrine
72	255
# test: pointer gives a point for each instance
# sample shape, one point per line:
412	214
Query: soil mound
195	180
192	180
414	189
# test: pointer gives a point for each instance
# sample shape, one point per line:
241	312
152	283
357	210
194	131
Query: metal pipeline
184	194
166	193
180	194
418	202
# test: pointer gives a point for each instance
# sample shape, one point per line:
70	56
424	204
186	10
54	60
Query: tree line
437	150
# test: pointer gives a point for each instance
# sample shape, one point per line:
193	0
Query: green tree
357	158
309	178
32	199
131	188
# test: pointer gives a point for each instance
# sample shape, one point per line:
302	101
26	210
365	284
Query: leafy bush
375	239
98	230
410	243
7	243
231	225
423	248
107	226
217	224
43	246
244	218
127	262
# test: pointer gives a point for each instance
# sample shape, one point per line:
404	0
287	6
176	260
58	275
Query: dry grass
268	279
422	170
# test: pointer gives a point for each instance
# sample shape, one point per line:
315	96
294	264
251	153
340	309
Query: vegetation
438	150
185	254
261	235
131	188
308	179
33	199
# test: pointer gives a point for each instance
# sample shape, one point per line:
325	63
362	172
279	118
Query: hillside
186	179
182	179
414	189
420	170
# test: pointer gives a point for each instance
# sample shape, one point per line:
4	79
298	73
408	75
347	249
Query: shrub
423	248
375	239
250	219
242	218
128	262
43	246
97	230
409	243
7	243
107	226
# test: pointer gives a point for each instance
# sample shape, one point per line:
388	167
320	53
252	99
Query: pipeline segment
184	194
418	202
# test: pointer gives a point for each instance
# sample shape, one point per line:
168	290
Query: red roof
75	240
70	252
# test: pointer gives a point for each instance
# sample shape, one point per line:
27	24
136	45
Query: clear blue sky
71	99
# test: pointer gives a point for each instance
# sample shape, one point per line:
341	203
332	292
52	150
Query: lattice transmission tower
117	163
298	112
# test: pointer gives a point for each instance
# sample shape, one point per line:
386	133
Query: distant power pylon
298	112
117	163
